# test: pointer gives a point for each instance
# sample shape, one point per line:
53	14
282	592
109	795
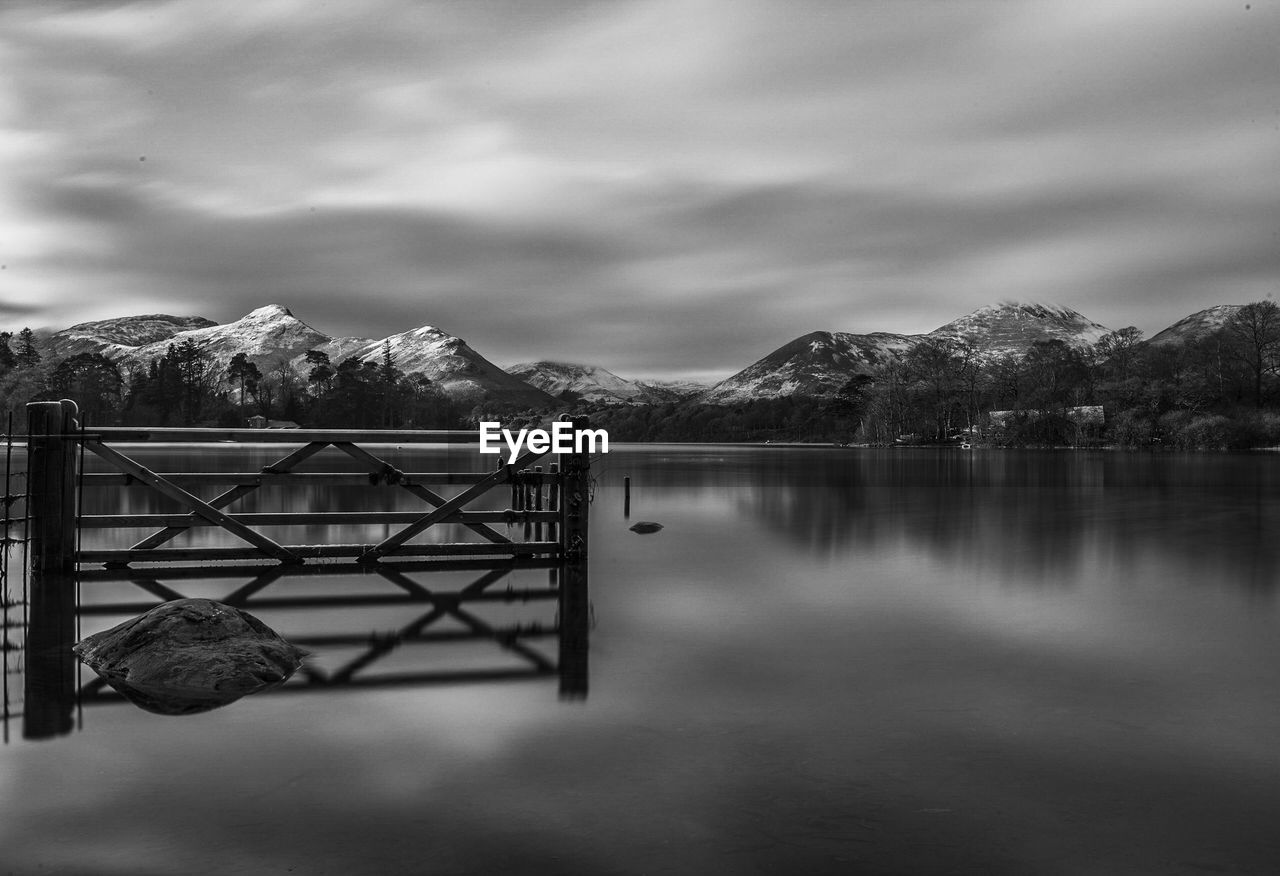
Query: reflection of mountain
1030	517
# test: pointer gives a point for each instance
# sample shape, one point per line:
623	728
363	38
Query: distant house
258	421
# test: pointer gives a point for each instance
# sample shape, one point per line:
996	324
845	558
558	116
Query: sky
666	188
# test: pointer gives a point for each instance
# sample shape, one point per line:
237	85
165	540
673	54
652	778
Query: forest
1218	389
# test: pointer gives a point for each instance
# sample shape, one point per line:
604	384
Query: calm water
828	661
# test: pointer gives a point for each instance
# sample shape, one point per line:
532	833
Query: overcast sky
661	188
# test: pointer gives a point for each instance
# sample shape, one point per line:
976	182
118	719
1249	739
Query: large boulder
190	655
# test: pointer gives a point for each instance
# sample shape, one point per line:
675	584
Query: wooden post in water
575	605
553	501
51	480
50	683
626	497
537	500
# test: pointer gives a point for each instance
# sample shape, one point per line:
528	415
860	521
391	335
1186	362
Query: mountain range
272	337
820	363
817	363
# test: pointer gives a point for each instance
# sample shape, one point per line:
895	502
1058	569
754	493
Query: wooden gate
544	526
549	506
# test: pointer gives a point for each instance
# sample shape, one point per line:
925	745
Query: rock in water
646	526
190	655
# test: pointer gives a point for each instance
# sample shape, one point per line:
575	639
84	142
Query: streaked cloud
656	186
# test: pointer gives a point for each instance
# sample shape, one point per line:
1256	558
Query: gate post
575	471
50	684
51	479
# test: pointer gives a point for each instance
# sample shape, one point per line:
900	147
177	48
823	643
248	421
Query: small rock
190	655
646	526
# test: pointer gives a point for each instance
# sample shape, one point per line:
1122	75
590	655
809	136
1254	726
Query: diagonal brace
221	501
199	506
387	545
375	464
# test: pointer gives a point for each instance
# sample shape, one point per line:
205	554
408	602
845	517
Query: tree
28	356
321	373
7	360
94	382
241	370
936	369
1254	332
389	377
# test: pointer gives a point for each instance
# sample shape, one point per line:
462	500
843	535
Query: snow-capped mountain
818	363
1196	326
272	336
1012	327
661	391
595	384
588	382
111	337
445	360
267	336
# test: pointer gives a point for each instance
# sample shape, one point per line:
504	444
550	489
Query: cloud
658	187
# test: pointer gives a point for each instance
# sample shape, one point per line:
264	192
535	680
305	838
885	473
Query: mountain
267	336
121	333
445	360
818	363
272	336
663	391
588	382
1012	327
1195	326
593	383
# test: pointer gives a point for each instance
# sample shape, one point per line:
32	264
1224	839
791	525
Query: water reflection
395	625
1030	518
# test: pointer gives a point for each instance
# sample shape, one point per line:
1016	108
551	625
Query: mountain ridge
271	337
818	363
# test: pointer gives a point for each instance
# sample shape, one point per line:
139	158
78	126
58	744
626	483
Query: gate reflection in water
409	625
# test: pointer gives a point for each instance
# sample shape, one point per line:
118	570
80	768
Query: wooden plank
204	509
330	602
331	568
308	518
323	551
118	434
303	478
341	640
392	543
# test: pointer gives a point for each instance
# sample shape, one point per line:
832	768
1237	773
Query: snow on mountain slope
447	361
268	336
1196	326
271	336
589	382
111	337
1012	327
816	364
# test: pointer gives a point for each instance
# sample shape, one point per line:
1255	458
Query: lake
828	661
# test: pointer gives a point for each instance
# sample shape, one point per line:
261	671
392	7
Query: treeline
1219	390
186	387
